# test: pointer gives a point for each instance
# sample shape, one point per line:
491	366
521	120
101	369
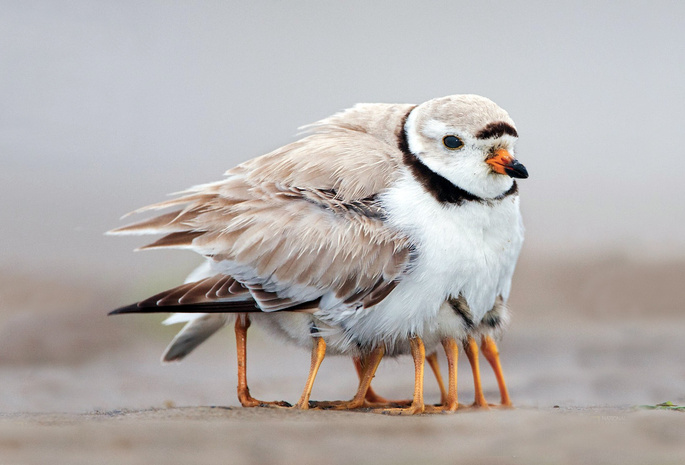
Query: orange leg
371	395
451	402
418	352
318	353
471	349
246	400
368	366
432	360
372	399
491	353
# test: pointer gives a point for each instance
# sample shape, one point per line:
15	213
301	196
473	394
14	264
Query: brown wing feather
208	296
304	215
175	240
158	224
203	291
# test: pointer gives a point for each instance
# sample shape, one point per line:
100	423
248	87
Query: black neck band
440	188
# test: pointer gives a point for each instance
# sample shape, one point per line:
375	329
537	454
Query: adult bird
371	223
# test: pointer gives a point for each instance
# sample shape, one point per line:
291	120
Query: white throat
467	172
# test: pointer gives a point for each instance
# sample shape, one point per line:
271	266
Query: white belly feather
469	249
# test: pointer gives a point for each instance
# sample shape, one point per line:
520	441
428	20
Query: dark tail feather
241	306
247	306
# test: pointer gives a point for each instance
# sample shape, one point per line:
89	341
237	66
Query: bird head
468	140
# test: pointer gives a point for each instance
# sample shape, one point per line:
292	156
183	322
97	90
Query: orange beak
503	163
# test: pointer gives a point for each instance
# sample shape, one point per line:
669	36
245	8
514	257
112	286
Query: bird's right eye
452	142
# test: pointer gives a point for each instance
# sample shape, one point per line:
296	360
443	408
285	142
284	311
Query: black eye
452	142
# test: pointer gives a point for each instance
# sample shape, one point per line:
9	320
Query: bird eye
452	142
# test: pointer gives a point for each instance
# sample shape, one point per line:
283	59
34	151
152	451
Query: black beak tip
516	170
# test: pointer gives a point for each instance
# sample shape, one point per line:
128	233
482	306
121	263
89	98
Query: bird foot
339	404
507	406
444	408
413	409
480	406
252	402
487	406
379	401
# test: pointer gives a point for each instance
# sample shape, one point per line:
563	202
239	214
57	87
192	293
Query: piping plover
370	223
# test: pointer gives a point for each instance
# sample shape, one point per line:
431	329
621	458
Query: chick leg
369	365
432	360
318	353
242	323
491	353
378	401
471	349
451	403
418	352
371	396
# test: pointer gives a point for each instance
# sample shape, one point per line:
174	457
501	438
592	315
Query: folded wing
297	229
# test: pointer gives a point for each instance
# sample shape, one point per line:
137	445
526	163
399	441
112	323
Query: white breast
469	249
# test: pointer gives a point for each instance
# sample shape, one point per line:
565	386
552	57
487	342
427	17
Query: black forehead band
497	129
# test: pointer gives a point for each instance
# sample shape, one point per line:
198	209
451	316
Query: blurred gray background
109	106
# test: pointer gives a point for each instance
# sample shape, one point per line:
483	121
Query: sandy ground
242	436
590	341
